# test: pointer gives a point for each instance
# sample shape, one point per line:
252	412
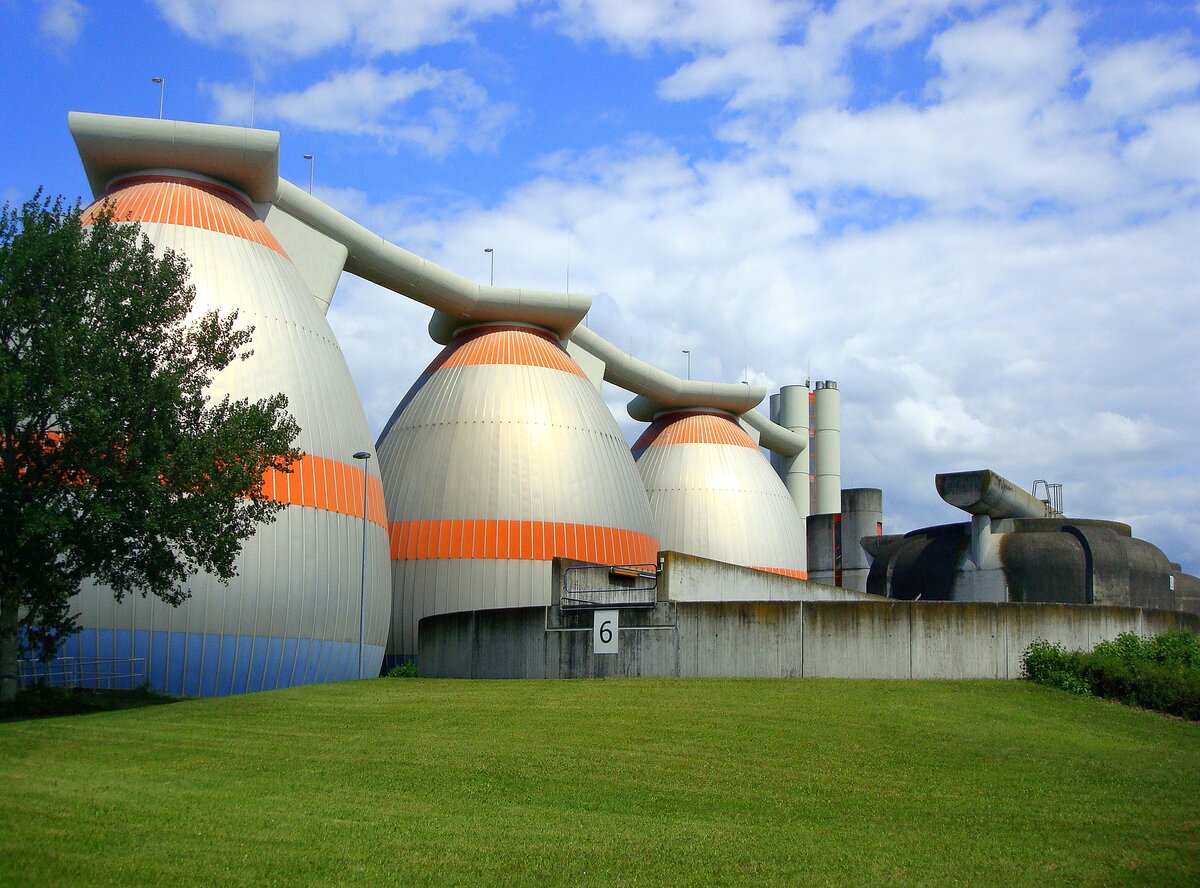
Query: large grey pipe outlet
827	448
983	492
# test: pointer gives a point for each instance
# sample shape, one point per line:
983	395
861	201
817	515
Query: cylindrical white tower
773	413
291	615
714	495
827	449
862	517
793	415
501	457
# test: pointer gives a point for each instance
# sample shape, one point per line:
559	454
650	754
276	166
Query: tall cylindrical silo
862	516
713	494
501	457
773	414
827	448
793	414
292	613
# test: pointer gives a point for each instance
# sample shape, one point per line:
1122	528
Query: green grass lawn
598	782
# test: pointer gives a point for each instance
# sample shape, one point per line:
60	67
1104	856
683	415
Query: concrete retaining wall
692	578
770	639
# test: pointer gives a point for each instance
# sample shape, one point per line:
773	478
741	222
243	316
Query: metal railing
1051	496
610	585
81	672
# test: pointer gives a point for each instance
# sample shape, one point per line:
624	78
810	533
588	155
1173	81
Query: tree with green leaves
115	462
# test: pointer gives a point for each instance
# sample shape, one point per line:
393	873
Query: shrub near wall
1160	673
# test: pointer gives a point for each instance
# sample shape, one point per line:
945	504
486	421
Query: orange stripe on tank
320	483
506	345
530	347
505	540
693	428
175	200
783	571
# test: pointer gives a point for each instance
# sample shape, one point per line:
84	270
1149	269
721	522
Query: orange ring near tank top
693	428
176	200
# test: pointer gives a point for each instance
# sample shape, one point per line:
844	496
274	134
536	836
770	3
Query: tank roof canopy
112	146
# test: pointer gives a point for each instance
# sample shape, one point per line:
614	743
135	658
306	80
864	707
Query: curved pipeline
377	260
665	389
659	390
249	159
774	437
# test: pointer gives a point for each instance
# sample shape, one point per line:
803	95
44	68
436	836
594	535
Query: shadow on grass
47	702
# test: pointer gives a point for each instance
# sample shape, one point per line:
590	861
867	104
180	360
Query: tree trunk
9	647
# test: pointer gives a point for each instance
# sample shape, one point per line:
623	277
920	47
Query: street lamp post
311	160
362	588
689	354
162	88
492	270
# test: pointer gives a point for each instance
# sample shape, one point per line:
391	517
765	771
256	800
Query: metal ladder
1052	497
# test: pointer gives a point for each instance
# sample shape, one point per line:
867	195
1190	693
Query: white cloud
1022	49
62	21
756	73
761	53
1134	78
1168	146
1124	435
677	23
1002	127
366	319
993	154
433	110
1004	130
941	428
306	27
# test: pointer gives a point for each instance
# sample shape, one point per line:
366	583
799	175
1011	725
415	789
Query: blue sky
981	218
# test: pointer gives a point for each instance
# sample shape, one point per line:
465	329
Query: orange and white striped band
501	539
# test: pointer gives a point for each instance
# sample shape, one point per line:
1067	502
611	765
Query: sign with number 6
604	632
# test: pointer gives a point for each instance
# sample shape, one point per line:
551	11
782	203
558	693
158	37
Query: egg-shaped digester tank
292	614
715	495
501	457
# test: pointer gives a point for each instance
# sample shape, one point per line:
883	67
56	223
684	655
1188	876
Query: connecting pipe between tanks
658	390
375	259
249	160
458	301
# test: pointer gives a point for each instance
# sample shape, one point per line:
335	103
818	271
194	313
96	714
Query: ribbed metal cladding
499	458
291	616
713	494
827	448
